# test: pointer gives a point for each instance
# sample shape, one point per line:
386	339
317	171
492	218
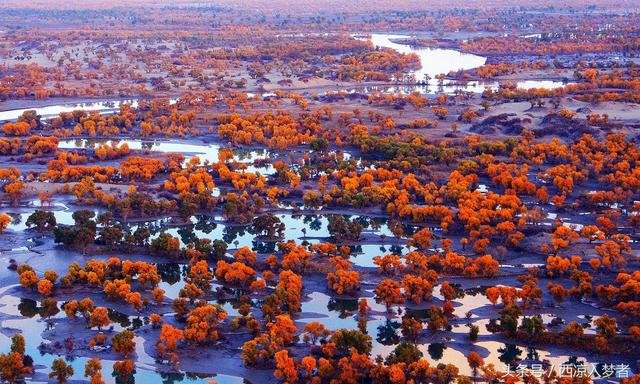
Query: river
435	61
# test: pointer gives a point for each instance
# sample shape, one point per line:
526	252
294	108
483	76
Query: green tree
342	229
345	339
268	225
404	353
60	371
533	326
474	330
42	220
18	344
123	342
509	318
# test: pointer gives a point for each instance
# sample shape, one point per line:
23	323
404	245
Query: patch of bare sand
618	111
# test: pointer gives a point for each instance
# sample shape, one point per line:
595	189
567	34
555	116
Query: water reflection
107	106
171	273
309	228
345	307
454	87
205	152
434	60
32	324
388	333
335	313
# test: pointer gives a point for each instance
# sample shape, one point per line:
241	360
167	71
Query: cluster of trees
376	65
33	145
483	219
399	173
191	179
111	151
276	130
512	323
152	118
569	44
15	365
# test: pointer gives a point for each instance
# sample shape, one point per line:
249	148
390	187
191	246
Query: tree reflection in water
345	307
388	333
